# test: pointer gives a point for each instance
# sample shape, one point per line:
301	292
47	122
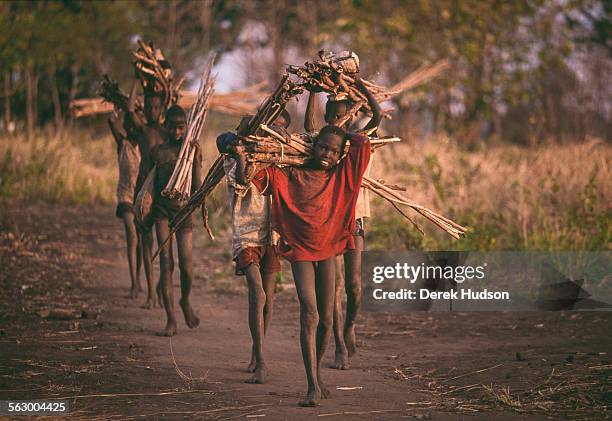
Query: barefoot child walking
128	155
313	210
164	157
350	281
148	133
253	250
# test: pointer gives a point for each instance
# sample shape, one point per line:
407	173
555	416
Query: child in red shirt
313	210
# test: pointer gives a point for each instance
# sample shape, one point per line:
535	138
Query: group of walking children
147	152
308	215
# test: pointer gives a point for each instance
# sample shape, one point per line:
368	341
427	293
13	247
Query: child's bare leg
269	283
146	243
158	287
184	245
138	255
341	361
257	302
325	291
165	274
131	236
253	362
352	265
304	278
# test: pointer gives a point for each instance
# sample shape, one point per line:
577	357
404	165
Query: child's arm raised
359	149
311	109
117	132
376	111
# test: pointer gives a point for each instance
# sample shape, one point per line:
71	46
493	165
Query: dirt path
418	365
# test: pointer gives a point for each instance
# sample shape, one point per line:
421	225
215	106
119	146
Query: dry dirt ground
67	331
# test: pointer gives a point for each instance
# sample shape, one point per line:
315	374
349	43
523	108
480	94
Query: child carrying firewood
253	250
148	133
313	210
164	157
128	155
350	281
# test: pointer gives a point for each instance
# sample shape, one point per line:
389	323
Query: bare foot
341	361
190	317
133	293
170	329
312	398
150	303
259	376
349	339
252	364
325	393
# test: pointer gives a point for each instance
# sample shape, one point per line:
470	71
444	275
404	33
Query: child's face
176	128
335	111
153	109
327	151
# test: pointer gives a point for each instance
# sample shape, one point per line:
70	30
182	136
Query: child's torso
250	212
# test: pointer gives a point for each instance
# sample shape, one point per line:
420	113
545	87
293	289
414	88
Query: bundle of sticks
112	98
283	149
279	147
155	72
327	74
179	185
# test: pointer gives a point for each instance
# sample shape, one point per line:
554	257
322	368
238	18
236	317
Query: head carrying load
155	73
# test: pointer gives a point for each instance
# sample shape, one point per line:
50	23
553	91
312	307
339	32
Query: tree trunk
171	29
29	101
7	100
74	85
35	78
206	21
277	41
309	13
57	106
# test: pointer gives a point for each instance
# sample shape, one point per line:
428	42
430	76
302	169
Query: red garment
314	210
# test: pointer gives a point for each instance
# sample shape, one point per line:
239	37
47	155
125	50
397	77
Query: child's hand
226	142
113	119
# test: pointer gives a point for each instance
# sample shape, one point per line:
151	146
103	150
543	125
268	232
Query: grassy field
75	168
554	197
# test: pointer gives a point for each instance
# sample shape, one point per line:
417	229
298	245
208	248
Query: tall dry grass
550	198
554	197
73	168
